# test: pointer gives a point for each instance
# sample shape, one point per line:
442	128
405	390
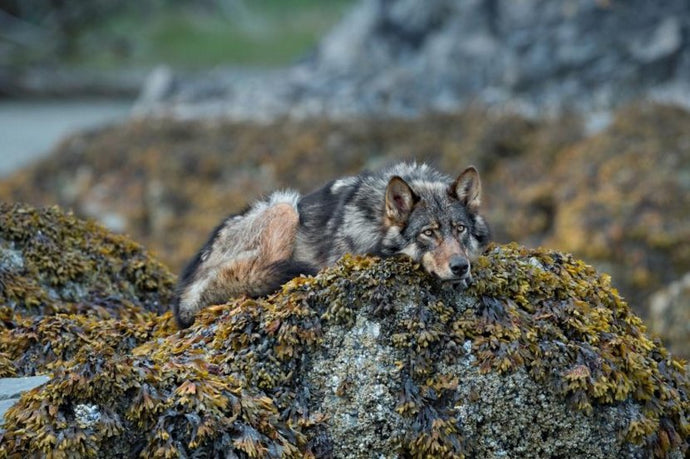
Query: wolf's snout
459	266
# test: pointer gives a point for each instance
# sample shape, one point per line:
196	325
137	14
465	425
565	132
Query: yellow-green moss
71	262
539	310
557	317
232	381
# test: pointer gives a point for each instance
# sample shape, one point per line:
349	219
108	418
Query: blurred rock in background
405	57
106	47
669	315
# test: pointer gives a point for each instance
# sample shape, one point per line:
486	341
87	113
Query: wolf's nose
459	266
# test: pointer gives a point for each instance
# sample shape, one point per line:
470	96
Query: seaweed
234	381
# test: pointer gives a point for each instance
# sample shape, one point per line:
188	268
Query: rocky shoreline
614	198
539	335
541	356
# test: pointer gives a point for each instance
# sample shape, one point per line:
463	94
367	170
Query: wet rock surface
12	388
405	58
669	316
356	380
540	356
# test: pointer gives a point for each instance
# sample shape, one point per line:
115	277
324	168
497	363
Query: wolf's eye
460	228
428	232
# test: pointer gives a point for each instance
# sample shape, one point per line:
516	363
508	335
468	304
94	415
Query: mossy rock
540	357
67	285
624	199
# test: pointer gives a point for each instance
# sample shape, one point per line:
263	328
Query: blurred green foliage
182	33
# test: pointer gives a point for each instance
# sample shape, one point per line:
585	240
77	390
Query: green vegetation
192	36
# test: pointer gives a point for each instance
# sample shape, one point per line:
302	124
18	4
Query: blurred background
71	64
159	117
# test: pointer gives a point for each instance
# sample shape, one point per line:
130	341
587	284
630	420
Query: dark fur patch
285	270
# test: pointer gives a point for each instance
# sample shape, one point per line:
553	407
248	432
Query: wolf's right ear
468	188
400	199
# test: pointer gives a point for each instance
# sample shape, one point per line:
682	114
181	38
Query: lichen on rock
373	358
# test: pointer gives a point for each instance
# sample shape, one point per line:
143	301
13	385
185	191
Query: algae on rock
371	357
68	286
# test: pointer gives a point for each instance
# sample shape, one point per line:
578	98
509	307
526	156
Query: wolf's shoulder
370	184
410	171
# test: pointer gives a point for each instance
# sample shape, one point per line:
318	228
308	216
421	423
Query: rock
491	415
12	388
405	58
157	87
52	262
6	405
539	357
665	41
669	315
66	284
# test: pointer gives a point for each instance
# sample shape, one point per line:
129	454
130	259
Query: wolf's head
436	223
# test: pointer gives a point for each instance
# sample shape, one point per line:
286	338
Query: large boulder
406	57
539	357
68	286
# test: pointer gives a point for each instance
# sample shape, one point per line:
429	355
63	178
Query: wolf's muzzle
459	266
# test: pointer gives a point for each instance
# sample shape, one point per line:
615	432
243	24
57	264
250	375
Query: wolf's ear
467	188
399	200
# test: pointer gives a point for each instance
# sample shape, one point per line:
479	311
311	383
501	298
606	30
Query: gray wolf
407	208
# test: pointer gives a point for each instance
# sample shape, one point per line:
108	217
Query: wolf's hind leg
249	255
273	265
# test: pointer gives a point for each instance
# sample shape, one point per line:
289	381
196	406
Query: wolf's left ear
400	199
467	188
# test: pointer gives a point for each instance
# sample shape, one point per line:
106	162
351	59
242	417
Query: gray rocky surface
669	315
12	388
404	57
356	381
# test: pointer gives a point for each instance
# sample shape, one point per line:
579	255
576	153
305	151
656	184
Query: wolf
406	208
